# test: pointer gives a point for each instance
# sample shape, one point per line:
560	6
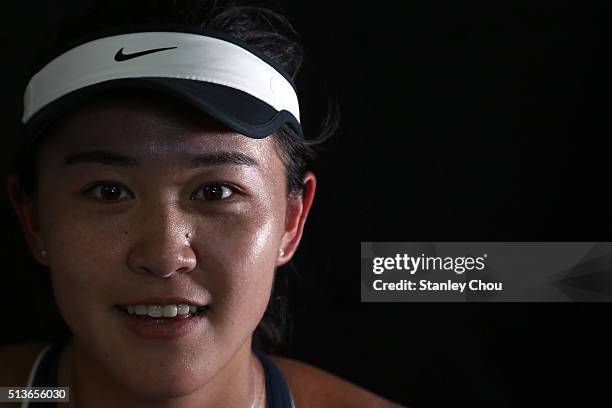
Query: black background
461	122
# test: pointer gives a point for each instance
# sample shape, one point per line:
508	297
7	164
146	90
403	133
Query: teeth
183	309
169	311
159	311
154	311
140	310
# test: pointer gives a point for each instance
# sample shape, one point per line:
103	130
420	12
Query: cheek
239	259
85	263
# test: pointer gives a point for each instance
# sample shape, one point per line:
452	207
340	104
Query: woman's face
192	210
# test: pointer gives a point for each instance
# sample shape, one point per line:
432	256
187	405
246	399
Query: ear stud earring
281	252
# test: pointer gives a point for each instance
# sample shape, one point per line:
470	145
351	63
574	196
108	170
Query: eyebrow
204	160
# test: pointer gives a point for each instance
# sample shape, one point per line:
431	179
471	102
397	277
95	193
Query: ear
298	207
25	207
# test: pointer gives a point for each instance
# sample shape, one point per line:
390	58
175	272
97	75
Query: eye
108	192
214	192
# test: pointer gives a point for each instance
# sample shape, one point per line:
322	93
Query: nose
162	246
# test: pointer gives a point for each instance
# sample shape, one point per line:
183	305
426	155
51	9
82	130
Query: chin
160	386
156	374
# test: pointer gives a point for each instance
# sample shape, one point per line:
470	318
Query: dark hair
267	31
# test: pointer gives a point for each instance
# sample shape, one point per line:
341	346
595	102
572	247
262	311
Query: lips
163	328
162	318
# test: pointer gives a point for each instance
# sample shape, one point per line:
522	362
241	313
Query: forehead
149	124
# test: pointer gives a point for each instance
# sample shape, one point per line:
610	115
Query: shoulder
16	361
313	387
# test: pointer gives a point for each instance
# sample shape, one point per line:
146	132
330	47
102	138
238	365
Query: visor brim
237	110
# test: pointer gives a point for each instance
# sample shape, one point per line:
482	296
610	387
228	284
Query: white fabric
196	57
25	403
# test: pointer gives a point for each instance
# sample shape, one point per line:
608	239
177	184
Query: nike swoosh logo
120	56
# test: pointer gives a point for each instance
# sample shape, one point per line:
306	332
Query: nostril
146	269
183	269
162	258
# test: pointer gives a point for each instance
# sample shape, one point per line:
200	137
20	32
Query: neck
240	383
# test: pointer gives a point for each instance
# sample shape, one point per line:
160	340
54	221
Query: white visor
220	77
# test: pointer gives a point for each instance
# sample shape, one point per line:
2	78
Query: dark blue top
277	389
